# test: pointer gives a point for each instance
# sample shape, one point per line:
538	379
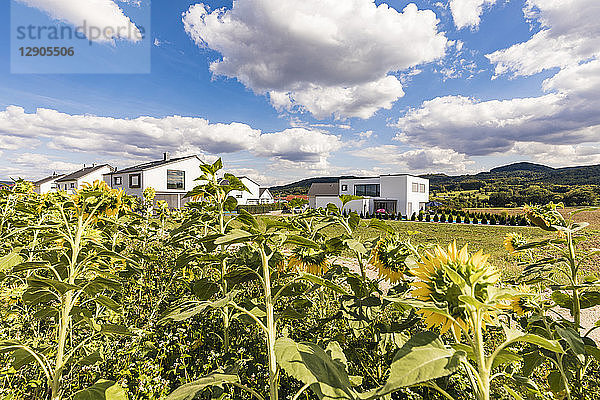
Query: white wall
50	186
244	198
359	206
417	199
392	187
267	198
156	178
90	178
351	182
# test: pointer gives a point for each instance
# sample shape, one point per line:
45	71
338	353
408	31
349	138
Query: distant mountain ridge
517	173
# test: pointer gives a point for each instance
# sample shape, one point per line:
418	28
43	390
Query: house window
175	179
134	181
415	187
238	196
72	185
366	190
344	188
422	188
117	180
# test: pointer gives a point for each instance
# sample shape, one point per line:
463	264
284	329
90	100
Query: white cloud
356	101
422	160
35	165
147	136
297	145
567	114
323	56
104	15
558	155
467	13
570	34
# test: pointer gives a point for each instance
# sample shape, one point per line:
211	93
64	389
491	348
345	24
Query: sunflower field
104	296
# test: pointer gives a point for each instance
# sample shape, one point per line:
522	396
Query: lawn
490	238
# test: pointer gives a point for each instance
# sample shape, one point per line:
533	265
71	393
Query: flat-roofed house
171	178
397	193
73	181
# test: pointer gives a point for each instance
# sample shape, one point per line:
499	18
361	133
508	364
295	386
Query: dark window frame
422	188
139	184
368	190
117	180
175	187
344	188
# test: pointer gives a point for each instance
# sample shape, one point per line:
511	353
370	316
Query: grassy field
490	238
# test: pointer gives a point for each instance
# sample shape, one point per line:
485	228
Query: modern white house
398	193
254	195
47	184
171	178
73	181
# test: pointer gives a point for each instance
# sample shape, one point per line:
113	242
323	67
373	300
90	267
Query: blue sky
287	89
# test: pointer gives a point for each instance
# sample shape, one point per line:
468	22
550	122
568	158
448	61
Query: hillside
517	183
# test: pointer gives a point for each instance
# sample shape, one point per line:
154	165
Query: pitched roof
81	173
149	165
262	190
324	189
48	179
245	177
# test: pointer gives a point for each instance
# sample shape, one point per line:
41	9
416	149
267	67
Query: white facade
70	183
255	194
47	185
359	206
171	179
405	194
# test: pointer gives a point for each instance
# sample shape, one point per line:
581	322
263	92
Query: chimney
166	156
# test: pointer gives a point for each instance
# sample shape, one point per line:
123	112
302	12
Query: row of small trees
454	217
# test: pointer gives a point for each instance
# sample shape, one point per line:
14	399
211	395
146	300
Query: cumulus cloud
141	137
297	144
35	165
558	155
105	15
323	56
433	159
467	13
567	114
569	34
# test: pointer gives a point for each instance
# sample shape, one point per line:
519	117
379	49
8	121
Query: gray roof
262	190
324	189
48	179
81	173
149	165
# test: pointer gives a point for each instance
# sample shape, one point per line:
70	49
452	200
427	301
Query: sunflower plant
460	293
555	264
71	282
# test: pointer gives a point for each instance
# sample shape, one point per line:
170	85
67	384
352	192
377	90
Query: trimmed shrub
458	219
475	220
436	218
467	219
428	218
443	218
413	217
450	218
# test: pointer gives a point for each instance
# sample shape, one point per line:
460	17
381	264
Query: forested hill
514	175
